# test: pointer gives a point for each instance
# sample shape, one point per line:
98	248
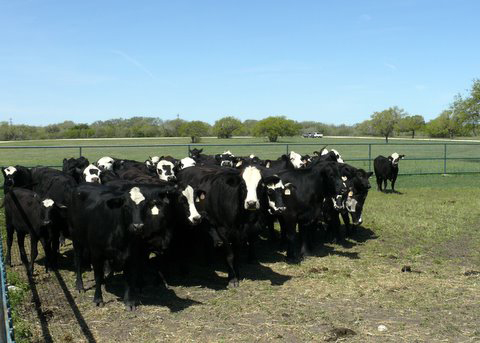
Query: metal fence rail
6	322
369	152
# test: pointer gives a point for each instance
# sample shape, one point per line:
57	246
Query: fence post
80	149
445	158
369	157
188	150
287	148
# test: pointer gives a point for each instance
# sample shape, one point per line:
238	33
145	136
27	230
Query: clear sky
330	61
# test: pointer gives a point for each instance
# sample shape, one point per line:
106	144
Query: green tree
384	123
411	124
273	127
468	109
226	127
194	129
447	124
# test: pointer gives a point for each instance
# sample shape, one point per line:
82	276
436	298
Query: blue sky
329	61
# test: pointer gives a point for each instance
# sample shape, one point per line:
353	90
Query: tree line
461	118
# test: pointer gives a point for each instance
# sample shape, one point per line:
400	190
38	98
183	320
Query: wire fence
421	157
6	321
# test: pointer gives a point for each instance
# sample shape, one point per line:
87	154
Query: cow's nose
281	209
137	227
251	205
171	178
95	180
196	219
46	222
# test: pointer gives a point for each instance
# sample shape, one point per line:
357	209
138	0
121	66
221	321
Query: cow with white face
105	163
226	159
189	194
152	162
275	193
91	174
338	156
252	177
296	160
165	170
187	162
386	168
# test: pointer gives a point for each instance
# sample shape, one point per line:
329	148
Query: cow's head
195	153
275	193
9	177
187	162
337	155
92	174
165	170
251	177
46	206
395	158
151	163
227	159
133	206
296	160
105	163
333	184
189	198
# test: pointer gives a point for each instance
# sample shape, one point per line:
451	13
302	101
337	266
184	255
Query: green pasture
421	156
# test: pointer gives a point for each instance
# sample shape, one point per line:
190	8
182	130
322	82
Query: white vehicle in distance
317	135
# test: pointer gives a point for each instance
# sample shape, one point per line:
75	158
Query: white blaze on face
90	175
47	203
188	194
323	152
155	159
395	158
252	177
136	196
228	153
155	210
337	156
106	163
252	156
187	162
10	170
274	186
163	167
296	159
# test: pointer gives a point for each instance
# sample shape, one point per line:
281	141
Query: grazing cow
75	167
108	226
386	168
26	213
305	191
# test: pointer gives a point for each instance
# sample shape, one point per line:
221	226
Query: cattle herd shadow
201	273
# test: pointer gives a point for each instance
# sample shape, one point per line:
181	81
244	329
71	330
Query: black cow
26	213
75	167
386	168
17	176
109	226
202	159
305	191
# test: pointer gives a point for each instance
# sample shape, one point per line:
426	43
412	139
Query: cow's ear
289	187
239	164
390	158
402	156
369	174
200	151
3	171
116	202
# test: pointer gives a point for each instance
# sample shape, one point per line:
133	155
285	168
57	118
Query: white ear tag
344	178
202	196
155	210
287	192
197	199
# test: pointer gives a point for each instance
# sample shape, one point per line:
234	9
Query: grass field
463	157
342	293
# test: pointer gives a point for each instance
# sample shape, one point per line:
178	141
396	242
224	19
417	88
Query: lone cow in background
386	168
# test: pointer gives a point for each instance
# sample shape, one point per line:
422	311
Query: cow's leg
98	274
252	256
33	251
10	231
305	237
77	253
393	184
385	185
21	247
334	227
55	246
288	228
48	255
130	275
379	184
230	251
349	228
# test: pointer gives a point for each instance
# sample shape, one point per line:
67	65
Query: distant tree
226	127
171	128
447	124
365	128
194	129
468	109
411	124
273	127
247	127
385	122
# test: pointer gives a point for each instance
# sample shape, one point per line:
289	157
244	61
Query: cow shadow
150	295
389	191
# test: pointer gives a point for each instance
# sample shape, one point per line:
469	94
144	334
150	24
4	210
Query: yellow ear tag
287	192
350	194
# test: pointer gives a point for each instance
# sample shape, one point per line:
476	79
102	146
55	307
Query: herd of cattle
117	212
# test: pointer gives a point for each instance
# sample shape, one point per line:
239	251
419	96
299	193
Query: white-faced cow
386	168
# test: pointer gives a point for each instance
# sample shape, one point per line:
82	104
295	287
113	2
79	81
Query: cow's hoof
292	260
99	303
233	283
130	307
